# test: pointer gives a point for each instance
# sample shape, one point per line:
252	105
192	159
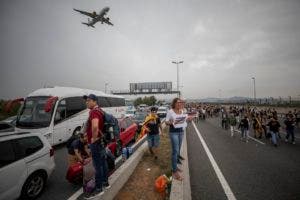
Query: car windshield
33	115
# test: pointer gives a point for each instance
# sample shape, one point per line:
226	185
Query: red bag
161	183
75	173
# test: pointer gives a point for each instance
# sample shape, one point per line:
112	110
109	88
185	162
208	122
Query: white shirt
180	119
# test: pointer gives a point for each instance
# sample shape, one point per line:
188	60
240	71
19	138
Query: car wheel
118	150
33	186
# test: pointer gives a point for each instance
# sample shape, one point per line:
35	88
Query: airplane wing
92	15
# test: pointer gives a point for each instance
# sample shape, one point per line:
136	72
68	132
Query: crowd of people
264	122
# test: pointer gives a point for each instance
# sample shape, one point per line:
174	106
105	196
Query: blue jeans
245	133
100	164
274	137
153	140
290	132
176	141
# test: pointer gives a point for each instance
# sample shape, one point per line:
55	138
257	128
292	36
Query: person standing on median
94	133
177	121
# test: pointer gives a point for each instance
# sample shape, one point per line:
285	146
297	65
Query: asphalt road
252	170
58	188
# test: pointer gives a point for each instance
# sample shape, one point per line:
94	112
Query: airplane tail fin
88	24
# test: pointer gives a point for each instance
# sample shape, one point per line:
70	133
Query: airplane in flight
95	17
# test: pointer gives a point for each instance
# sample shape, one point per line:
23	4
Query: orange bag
161	183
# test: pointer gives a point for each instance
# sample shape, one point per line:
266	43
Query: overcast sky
223	44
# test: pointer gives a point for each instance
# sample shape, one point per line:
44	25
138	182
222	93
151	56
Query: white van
60	112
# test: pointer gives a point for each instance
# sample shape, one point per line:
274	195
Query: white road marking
225	186
252	138
76	194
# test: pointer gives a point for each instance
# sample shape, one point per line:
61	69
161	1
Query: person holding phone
177	120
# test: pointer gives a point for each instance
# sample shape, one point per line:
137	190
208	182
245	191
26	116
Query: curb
122	174
182	189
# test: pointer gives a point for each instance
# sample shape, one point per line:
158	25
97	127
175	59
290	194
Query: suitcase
75	173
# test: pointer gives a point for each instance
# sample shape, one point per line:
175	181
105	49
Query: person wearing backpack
94	131
77	149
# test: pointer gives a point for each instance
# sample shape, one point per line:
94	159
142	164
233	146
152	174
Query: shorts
153	140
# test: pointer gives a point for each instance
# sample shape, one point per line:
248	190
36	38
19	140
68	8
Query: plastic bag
161	183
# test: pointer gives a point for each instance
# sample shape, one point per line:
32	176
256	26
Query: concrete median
181	190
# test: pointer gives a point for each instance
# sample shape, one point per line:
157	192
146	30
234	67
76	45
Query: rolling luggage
74	173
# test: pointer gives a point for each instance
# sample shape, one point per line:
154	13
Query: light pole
177	64
254	89
106	84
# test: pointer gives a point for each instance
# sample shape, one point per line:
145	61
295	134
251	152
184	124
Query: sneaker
95	193
180	157
179	170
286	140
179	162
106	185
293	142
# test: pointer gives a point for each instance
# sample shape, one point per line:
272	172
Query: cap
90	96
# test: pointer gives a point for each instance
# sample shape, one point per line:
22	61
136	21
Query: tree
150	101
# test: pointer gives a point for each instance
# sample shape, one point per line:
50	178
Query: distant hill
217	100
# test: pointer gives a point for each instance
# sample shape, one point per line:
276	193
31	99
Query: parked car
128	133
139	119
162	112
142	107
6	127
26	162
130	113
11	120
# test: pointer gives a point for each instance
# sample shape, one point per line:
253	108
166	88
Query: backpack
111	128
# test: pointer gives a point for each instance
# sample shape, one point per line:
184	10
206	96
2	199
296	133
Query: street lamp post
177	64
106	84
254	89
